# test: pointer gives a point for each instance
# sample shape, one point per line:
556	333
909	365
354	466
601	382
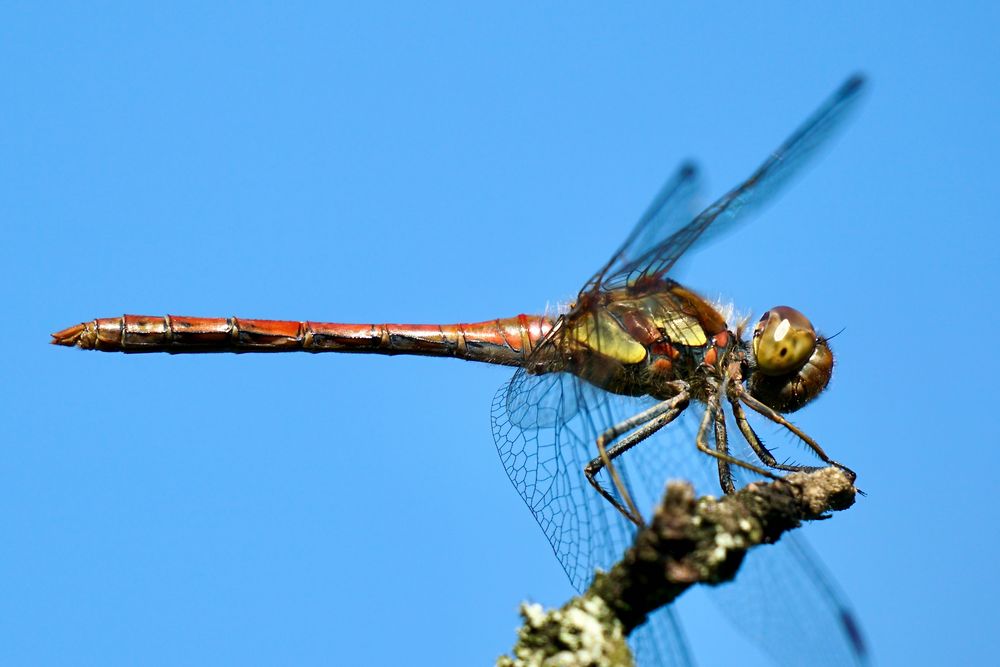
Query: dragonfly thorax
636	341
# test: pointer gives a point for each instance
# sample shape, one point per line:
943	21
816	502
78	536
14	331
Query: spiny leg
648	422
701	441
722	446
762	452
778	418
646	415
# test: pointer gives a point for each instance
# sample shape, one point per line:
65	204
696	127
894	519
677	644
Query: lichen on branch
689	540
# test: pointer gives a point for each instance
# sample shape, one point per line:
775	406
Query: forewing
660	642
766	182
783	599
672	207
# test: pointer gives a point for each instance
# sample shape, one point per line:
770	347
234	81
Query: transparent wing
545	428
660	642
782	599
672	207
787	160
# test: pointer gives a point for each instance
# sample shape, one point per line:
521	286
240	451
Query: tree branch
690	540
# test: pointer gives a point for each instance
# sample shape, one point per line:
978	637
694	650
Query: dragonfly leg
762	452
778	418
701	441
642	425
722	446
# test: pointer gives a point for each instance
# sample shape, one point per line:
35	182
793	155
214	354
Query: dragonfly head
791	363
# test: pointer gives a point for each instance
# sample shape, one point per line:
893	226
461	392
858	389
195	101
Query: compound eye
783	341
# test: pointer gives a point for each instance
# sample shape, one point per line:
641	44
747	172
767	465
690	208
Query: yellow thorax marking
680	328
601	332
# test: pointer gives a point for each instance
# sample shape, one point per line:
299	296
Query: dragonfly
639	379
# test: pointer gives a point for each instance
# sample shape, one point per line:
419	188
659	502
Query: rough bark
689	540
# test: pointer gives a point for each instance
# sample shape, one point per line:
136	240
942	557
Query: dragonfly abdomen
504	341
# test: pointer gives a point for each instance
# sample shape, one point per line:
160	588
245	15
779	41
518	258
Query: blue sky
456	163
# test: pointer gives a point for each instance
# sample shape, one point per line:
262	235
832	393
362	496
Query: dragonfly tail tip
70	336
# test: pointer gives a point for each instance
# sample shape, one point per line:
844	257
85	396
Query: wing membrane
782	598
672	207
545	428
762	185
